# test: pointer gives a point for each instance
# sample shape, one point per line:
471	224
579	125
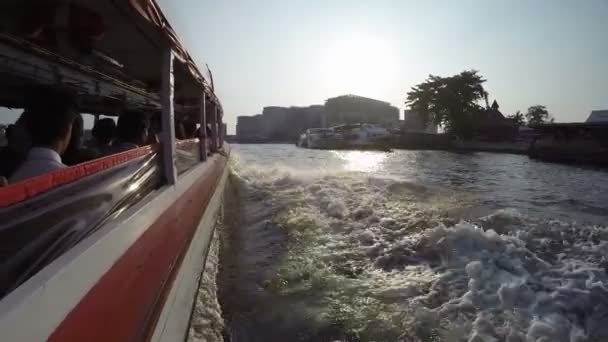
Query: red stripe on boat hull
127	300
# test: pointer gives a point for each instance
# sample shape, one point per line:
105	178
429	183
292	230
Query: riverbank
497	147
584	154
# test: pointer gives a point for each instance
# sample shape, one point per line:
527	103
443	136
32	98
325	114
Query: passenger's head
9	133
190	129
209	132
104	131
18	135
77	137
133	127
49	119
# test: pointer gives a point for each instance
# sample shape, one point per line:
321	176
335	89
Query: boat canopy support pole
214	132
203	128
220	128
168	124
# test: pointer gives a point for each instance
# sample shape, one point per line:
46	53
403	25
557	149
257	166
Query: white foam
504	277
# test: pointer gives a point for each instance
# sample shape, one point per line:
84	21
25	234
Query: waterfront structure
575	142
598	116
350	109
285	124
491	125
278	124
249	128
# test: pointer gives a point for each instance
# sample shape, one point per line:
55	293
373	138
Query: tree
538	115
452	102
518	118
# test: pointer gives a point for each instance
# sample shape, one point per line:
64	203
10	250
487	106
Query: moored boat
361	136
110	249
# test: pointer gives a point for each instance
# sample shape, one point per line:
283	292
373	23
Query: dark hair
9	131
76	140
104	131
180	132
190	129
74	153
50	115
132	126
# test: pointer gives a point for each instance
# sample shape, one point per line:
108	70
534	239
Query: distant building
279	124
414	122
491	125
598	116
287	123
249	128
354	109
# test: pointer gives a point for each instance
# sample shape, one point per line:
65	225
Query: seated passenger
180	132
154	130
103	134
12	155
209	136
51	114
132	131
75	152
190	130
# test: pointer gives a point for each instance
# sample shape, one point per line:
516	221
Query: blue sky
271	52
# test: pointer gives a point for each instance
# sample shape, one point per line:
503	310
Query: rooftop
351	96
598	116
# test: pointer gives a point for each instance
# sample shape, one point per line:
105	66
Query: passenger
76	153
208	139
103	134
180	132
154	131
132	131
50	116
190	130
12	155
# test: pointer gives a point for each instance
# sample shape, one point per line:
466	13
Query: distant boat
360	136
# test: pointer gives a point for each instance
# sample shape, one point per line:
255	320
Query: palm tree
518	118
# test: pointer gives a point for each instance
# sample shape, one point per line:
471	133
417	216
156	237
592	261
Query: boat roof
127	39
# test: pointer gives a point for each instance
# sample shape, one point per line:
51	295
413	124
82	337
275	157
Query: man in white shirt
51	114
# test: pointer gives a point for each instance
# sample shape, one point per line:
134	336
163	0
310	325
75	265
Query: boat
111	249
360	136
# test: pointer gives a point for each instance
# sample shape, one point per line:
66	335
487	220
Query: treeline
457	103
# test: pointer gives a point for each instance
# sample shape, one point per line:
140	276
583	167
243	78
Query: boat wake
326	256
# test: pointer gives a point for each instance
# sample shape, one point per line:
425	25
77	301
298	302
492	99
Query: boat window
111	159
43	215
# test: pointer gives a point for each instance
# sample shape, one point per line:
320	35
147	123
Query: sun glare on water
362	161
360	64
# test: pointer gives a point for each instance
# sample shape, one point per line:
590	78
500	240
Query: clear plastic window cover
36	232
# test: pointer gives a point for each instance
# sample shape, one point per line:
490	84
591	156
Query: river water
411	246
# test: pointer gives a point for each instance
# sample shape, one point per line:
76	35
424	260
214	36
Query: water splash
362	257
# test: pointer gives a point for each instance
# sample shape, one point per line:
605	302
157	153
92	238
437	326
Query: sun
359	64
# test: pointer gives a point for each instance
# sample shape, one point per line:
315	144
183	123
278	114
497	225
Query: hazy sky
282	52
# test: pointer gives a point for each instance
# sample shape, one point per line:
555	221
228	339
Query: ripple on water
360	256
